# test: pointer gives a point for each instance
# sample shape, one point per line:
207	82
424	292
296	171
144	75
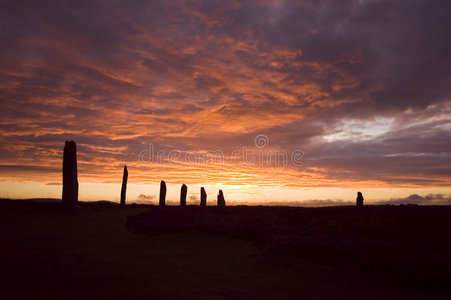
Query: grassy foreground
49	253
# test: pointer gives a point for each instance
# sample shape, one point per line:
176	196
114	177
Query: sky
300	102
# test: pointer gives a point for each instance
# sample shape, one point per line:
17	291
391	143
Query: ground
89	253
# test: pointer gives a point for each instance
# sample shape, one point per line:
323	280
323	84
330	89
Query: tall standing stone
183	192
203	197
124	186
221	200
359	200
162	193
70	177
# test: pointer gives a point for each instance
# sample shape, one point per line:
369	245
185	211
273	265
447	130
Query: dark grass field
96	252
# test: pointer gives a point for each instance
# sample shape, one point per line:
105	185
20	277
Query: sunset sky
327	98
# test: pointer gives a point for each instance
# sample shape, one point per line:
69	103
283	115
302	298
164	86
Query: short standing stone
221	200
70	177
162	193
124	186
203	197
183	192
359	200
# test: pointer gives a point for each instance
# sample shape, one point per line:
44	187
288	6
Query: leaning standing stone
124	186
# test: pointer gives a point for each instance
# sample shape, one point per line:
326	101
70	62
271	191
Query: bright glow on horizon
339	107
234	195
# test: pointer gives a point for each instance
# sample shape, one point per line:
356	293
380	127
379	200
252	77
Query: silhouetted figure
124	186
221	200
203	197
162	193
70	177
359	200
183	192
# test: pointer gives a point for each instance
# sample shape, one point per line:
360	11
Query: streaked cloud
362	88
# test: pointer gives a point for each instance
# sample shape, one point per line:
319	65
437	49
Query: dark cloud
432	199
145	198
361	86
27	168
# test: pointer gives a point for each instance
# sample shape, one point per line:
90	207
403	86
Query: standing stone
203	197
70	177
183	193
359	200
162	193
221	200
124	186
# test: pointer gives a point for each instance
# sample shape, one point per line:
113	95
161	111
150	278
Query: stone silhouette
221	200
359	200
183	192
124	186
162	193
70	176
203	197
